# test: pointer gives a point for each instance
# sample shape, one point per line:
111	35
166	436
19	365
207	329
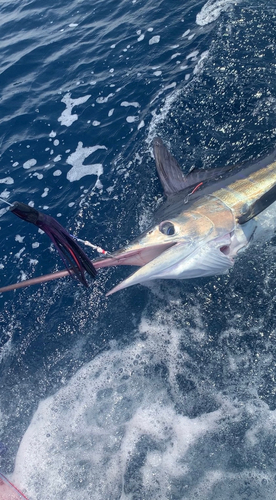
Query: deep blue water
158	392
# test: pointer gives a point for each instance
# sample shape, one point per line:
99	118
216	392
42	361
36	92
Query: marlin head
186	246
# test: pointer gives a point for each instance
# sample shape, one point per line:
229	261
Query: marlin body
209	216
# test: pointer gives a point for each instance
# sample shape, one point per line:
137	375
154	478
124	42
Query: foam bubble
7	180
39	176
102	100
5	194
141	124
154	39
66	118
19	238
77	158
18	254
30	163
132	119
176	55
211	11
192	55
134	104
200	63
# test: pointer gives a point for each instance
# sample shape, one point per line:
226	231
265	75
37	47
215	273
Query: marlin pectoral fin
207	261
74	258
258	206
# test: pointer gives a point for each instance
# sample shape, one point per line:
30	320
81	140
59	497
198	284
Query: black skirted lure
74	258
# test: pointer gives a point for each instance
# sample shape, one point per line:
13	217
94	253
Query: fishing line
95	247
7	202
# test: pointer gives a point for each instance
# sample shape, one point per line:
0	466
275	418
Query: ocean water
160	392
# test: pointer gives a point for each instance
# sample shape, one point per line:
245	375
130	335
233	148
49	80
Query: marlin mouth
134	255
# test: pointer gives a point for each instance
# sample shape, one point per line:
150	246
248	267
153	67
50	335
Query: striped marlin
209	216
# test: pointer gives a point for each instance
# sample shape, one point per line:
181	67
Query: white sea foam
91	428
30	163
200	63
141	124
38	176
192	55
5	194
158	118
176	55
18	254
132	119
134	104
45	193
7	180
212	10
66	118
102	100
116	427
186	33
19	238
77	158
154	39
33	262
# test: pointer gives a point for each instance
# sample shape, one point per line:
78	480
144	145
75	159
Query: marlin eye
167	228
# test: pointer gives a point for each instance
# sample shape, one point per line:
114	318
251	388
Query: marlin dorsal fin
170	173
171	176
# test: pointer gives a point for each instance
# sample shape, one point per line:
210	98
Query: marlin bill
208	217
